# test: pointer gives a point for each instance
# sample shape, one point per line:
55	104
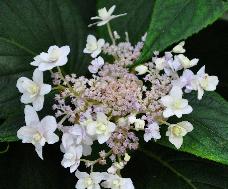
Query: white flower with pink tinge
104	16
56	56
33	90
38	132
174	103
96	64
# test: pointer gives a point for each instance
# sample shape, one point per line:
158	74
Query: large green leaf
175	20
209	139
161	168
28	27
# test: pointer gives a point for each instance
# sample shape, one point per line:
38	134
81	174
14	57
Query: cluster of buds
113	107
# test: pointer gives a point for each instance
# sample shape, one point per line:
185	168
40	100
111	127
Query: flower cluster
110	109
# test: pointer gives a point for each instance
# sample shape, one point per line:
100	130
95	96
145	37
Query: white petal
167	101
168	113
30	115
26	98
38	76
46	66
26	134
176	141
61	61
96	53
38	103
100	43
39	150
81	175
91	39
103	138
65	50
20	84
187	125
176	92
49	124
45	89
52	138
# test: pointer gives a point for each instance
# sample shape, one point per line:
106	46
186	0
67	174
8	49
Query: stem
165	164
68	85
111	34
6	150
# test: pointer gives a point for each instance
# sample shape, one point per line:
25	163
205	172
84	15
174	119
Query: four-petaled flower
116	182
102	128
152	131
174	103
177	131
93	46
56	56
38	132
96	64
33	90
105	16
86	181
205	82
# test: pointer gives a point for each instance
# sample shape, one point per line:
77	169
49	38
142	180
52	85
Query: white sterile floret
174	103
74	136
89	181
96	64
116	182
33	90
187	81
94	46
104	16
72	157
102	128
176	132
38	132
160	63
56	56
179	48
141	69
205	82
152	132
185	62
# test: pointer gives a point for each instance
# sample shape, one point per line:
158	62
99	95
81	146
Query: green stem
165	164
6	150
111	34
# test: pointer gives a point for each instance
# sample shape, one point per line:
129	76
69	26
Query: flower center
101	128
103	14
33	89
177	130
116	183
36	137
92	46
88	182
177	104
204	81
54	55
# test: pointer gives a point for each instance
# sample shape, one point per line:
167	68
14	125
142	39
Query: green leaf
28	27
175	20
209	139
156	167
136	21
